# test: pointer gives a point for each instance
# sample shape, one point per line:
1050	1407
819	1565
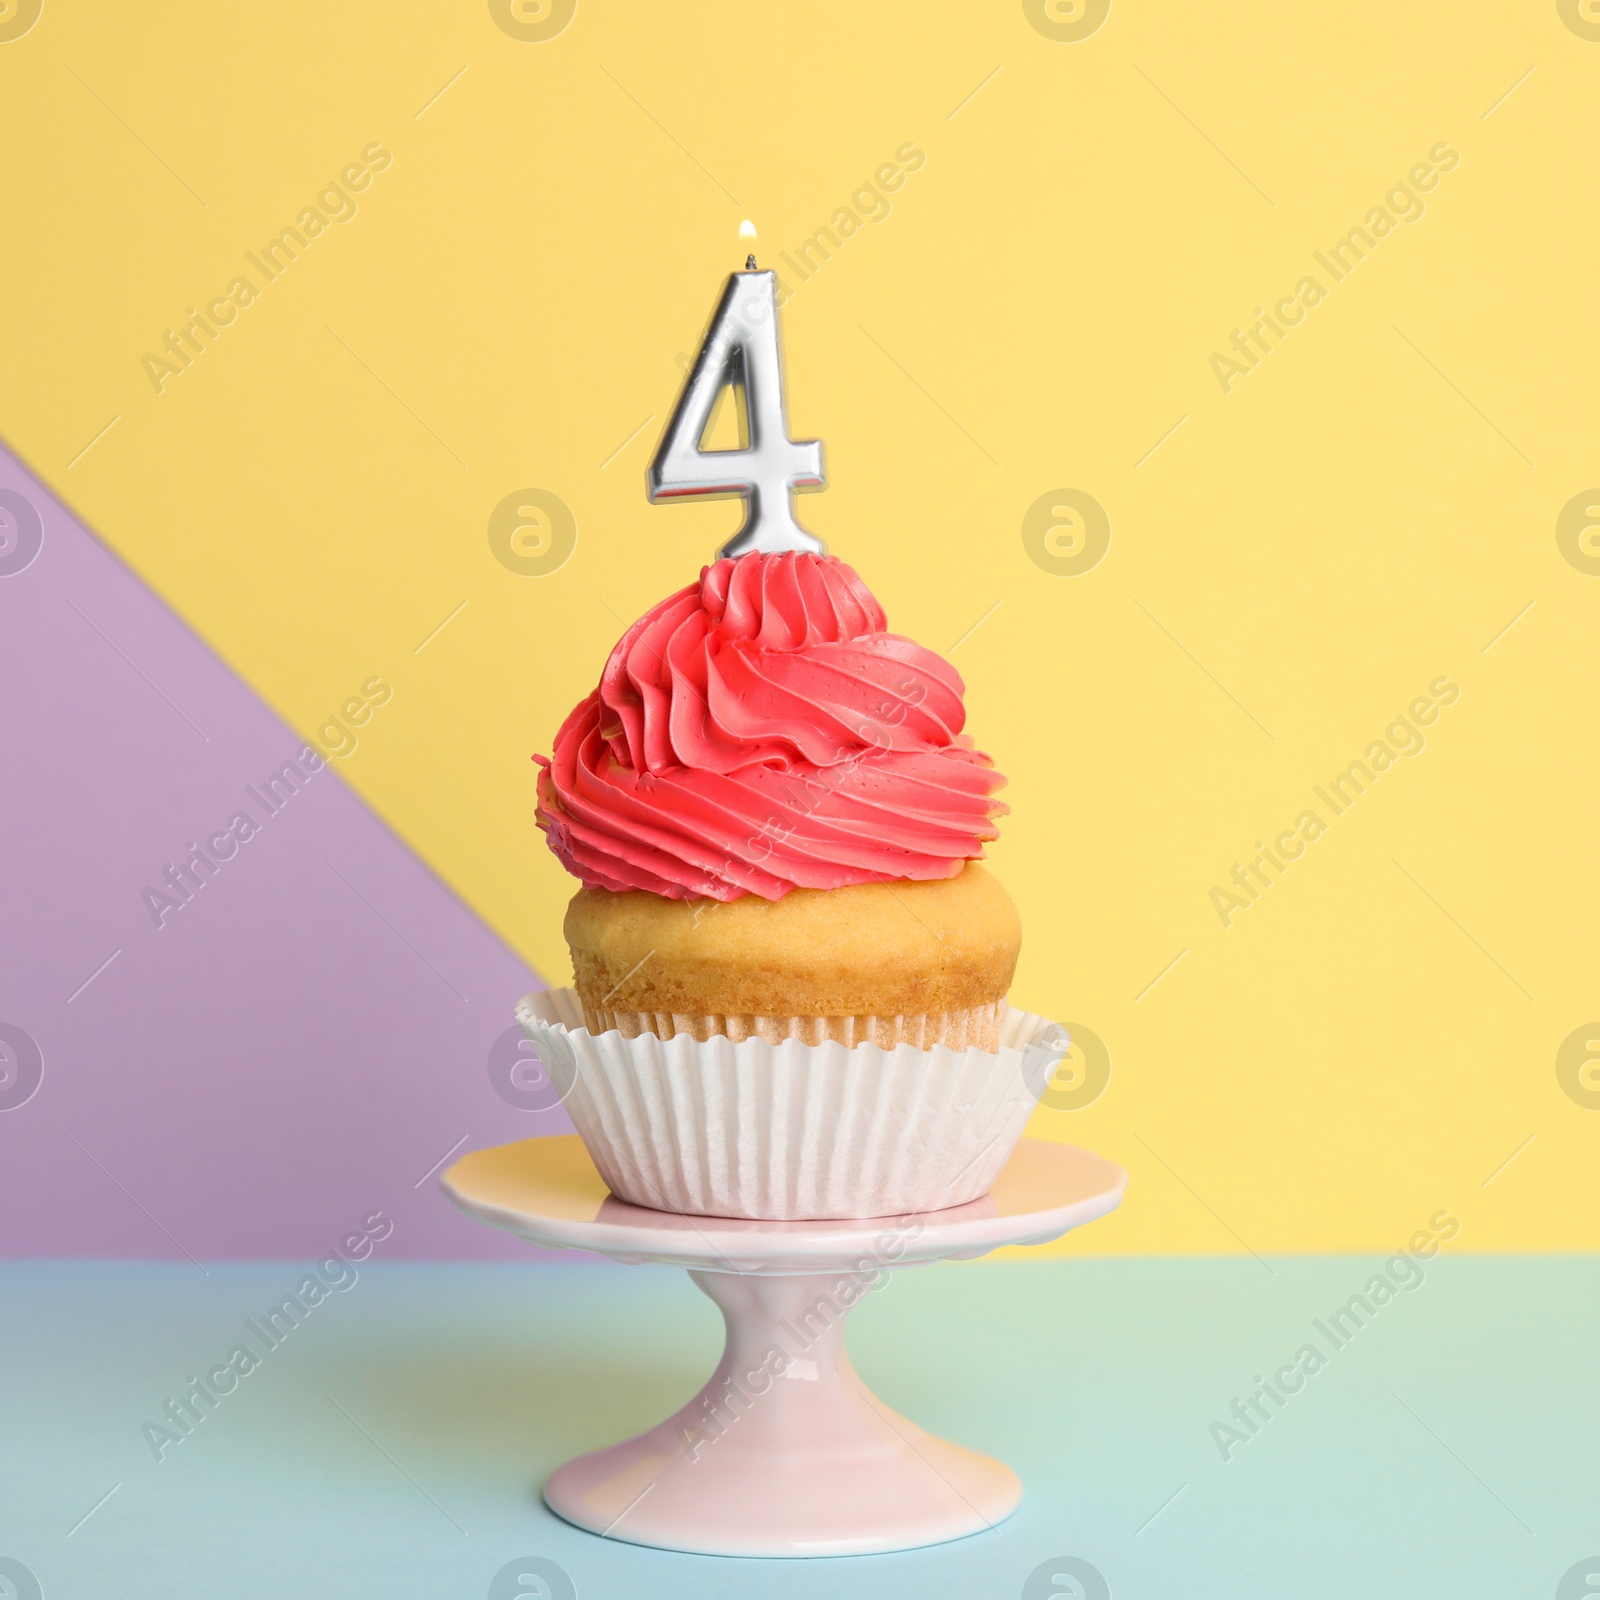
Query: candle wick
749	263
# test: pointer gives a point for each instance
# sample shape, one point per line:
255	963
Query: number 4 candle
741	351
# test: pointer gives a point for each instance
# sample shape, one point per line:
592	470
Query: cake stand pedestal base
785	1452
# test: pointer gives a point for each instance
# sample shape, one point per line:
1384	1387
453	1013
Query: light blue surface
1451	1448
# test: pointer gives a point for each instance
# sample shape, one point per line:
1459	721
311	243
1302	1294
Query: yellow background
1365	511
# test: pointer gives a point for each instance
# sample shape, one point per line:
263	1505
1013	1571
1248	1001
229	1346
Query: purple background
299	1045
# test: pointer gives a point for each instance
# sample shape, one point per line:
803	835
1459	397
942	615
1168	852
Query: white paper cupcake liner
981	1027
786	1131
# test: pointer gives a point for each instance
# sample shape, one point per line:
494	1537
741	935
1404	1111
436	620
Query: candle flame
747	229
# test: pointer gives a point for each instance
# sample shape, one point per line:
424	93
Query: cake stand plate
784	1452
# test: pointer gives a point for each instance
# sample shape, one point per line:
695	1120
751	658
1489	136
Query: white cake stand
784	1452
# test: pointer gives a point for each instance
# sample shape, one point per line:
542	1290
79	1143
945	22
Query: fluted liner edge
790	1130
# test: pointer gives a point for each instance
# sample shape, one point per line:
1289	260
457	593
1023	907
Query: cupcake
789	970
886	963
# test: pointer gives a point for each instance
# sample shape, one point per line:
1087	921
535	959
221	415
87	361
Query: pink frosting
760	731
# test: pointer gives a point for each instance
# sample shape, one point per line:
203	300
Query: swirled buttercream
760	731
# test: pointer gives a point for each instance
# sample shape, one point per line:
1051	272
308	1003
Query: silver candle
740	351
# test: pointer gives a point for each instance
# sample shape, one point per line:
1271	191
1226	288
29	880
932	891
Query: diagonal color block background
1212	386
253	1069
